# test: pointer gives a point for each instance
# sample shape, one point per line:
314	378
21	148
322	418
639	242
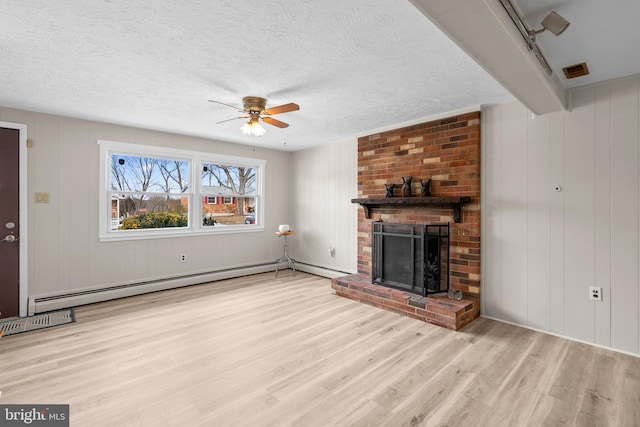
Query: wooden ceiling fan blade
285	108
235	118
227	105
274	122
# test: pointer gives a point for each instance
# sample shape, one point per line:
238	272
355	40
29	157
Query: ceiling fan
255	109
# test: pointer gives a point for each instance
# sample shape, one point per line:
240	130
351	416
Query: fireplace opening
411	257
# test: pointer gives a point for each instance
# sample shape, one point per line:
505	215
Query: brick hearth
438	310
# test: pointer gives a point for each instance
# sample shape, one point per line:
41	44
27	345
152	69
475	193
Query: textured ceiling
353	66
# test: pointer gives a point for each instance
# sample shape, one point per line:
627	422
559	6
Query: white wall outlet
332	251
595	293
182	258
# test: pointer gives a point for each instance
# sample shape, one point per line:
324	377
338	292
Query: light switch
42	197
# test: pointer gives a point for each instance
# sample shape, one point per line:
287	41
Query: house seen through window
234	190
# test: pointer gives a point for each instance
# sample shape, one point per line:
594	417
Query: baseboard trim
74	299
628	353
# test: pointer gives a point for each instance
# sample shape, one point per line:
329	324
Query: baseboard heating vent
322	271
73	299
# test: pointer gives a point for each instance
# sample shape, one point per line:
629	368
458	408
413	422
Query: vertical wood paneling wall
323	182
64	251
544	248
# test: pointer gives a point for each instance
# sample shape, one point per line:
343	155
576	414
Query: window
235	184
150	192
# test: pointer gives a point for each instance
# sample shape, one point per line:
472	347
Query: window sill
152	234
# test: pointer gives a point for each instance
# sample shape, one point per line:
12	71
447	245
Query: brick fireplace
447	151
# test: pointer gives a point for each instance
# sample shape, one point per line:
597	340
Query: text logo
34	415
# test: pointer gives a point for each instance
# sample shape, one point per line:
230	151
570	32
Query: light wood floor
260	351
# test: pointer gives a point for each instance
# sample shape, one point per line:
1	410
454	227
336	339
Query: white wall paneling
556	224
542	248
578	210
514	214
602	211
491	220
624	214
538	235
324	180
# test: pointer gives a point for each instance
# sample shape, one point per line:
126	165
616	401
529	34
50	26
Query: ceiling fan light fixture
253	127
255	109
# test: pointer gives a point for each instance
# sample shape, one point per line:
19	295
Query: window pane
148	174
144	211
227	180
241	211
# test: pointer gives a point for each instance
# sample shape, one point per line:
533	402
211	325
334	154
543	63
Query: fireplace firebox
411	257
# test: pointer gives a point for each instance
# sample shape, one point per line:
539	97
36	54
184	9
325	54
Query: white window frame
209	202
224	200
195	159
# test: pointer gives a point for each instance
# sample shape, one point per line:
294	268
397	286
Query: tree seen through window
148	192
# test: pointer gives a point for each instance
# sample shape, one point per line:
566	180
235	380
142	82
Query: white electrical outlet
595	293
183	258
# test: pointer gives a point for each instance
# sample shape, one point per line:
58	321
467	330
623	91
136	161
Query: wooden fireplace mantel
454	203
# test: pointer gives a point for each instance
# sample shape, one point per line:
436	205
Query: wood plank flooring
261	351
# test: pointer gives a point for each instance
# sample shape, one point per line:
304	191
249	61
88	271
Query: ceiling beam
484	30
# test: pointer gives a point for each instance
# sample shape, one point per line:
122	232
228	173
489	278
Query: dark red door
9	222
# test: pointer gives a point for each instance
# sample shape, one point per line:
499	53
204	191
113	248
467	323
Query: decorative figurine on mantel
406	186
425	187
389	188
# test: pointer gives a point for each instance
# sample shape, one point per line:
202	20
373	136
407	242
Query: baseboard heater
73	299
319	270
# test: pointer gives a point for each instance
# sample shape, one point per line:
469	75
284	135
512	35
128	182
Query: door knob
10	238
